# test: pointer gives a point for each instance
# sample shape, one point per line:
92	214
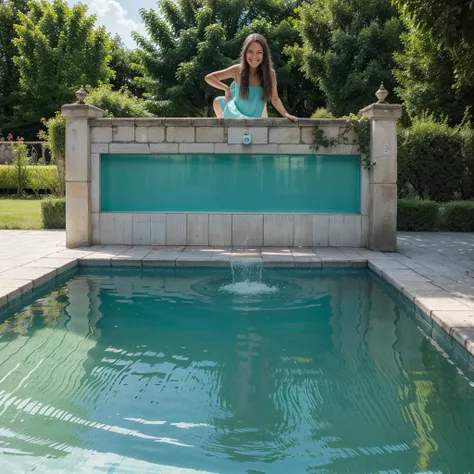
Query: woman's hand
291	117
227	95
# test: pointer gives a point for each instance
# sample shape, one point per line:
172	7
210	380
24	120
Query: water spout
247	277
247	269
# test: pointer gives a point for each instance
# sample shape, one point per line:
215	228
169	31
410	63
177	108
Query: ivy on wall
361	126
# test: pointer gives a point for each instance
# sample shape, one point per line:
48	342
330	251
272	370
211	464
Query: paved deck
434	270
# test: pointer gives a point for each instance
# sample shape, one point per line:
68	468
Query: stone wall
88	136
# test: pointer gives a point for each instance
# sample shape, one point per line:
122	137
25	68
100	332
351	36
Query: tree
426	75
9	77
192	38
123	65
59	48
347	49
449	24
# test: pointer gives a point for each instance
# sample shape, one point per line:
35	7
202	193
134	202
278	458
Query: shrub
417	215
36	178
56	138
458	216
430	159
121	103
43	178
53	213
322	113
468	154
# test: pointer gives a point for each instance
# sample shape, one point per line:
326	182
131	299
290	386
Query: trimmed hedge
416	215
53	213
38	177
458	216
429	216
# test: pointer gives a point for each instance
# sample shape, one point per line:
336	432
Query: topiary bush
458	216
417	215
430	159
53	213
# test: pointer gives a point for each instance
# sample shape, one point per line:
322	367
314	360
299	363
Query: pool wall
188	181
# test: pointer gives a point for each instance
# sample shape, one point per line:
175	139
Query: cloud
115	18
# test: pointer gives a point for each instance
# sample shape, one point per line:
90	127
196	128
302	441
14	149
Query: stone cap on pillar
383	111
81	111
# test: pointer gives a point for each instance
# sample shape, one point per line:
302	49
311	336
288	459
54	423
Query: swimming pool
318	371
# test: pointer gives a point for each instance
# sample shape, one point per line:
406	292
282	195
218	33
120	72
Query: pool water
181	371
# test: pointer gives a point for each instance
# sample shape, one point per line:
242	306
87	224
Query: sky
119	16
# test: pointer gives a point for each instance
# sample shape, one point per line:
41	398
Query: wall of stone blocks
228	230
213	136
190	135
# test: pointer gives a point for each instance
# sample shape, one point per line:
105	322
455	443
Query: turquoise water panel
230	183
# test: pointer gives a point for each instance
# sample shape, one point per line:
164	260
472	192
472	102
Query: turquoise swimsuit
243	108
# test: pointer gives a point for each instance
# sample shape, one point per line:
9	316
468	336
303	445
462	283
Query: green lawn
24	213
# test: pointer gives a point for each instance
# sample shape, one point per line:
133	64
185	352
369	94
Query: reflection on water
142	370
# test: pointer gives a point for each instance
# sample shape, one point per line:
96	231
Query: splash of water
247	278
246	269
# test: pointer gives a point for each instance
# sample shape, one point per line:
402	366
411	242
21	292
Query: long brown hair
264	68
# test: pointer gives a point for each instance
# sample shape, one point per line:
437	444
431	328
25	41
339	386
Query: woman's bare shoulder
236	71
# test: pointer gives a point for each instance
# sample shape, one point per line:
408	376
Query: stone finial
381	94
81	95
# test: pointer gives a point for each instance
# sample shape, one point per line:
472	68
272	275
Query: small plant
20	162
361	126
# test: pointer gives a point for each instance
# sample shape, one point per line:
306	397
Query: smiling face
254	55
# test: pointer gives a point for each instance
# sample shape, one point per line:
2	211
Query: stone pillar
78	173
383	176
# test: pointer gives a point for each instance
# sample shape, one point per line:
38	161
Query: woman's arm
276	101
215	79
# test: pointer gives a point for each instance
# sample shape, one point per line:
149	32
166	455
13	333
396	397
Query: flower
20	139
9	137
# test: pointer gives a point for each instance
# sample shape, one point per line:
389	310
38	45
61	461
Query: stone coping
436	300
213	122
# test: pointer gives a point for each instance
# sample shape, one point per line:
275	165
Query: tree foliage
448	20
449	23
426	76
123	64
9	77
348	48
191	38
59	48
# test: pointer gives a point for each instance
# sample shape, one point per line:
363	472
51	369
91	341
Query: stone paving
434	270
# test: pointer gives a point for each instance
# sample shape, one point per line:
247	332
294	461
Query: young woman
254	83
